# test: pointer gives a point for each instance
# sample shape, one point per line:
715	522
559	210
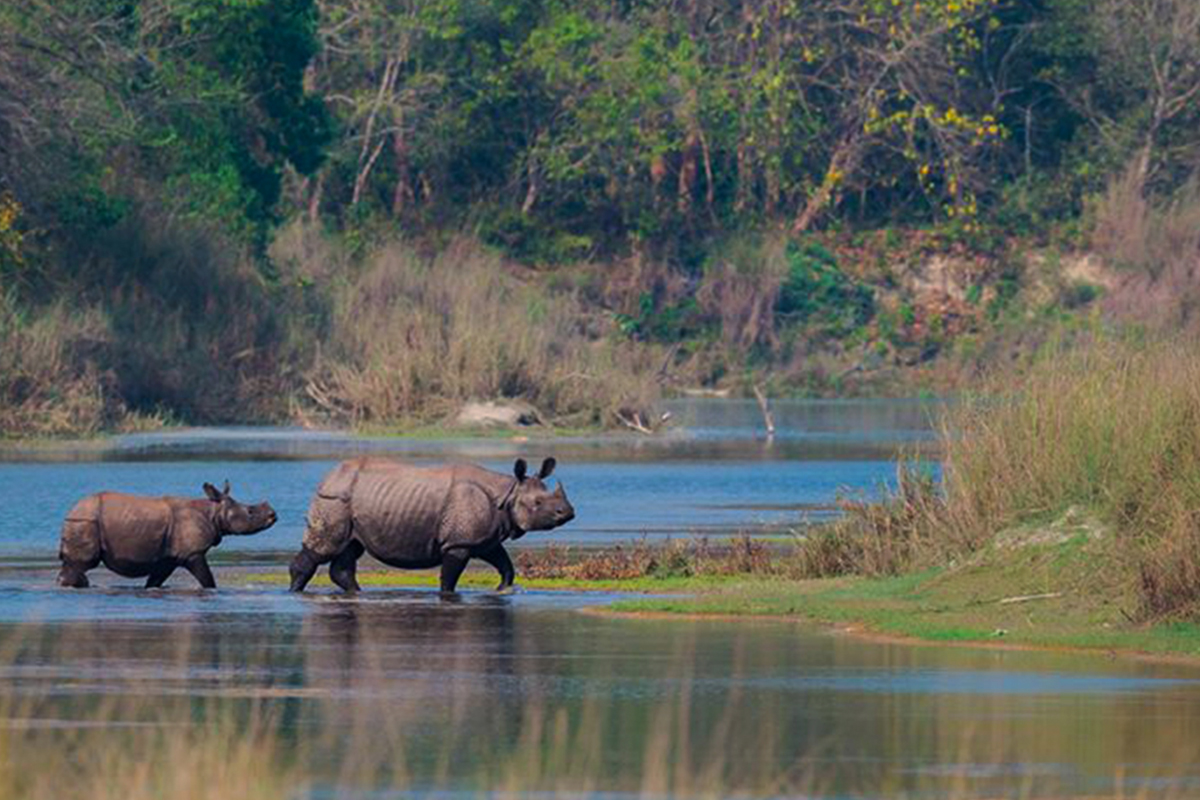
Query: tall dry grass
1157	245
48	384
741	289
909	526
1114	428
412	337
170	319
360	730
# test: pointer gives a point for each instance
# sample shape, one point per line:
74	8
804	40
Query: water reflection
519	691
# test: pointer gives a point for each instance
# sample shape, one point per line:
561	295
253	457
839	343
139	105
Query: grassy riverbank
1052	586
1047	597
1067	515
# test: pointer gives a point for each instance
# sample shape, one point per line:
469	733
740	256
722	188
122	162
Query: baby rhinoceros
151	536
421	517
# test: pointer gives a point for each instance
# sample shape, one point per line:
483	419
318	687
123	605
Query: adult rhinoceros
421	517
151	536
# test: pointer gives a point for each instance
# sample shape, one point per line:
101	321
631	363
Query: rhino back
133	530
86	510
397	510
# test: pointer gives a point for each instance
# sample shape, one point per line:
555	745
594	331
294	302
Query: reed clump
412	337
883	537
1113	428
679	558
47	386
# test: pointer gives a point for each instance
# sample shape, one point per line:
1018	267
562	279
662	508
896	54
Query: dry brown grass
48	385
1114	428
413	337
887	537
740	555
365	731
741	288
1158	247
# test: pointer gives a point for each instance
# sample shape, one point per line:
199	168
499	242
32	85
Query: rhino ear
226	490
212	493
520	468
547	468
560	491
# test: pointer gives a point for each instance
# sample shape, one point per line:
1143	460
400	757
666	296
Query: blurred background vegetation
369	211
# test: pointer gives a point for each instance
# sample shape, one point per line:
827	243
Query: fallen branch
634	424
1024	598
322	398
768	419
663	373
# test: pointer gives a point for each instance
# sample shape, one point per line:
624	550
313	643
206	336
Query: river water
529	690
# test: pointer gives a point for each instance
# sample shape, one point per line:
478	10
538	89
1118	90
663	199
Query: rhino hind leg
79	551
303	567
158	576
453	563
342	570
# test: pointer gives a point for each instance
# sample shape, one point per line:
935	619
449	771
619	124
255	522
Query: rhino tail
339	484
328	528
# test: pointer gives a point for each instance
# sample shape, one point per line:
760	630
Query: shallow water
754	701
715	474
455	689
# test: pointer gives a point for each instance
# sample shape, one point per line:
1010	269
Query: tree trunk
402	194
314	199
839	165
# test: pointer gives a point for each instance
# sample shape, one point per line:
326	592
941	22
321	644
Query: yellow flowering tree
11	235
905	80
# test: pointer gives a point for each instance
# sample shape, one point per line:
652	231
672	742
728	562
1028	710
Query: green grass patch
488	580
1072	594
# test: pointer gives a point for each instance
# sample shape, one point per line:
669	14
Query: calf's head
238	518
534	507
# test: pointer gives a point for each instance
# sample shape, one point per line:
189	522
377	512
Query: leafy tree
201	98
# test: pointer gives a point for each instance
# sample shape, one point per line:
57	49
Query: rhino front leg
453	563
160	573
198	566
342	570
498	558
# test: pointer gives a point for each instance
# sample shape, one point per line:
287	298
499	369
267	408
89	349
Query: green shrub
816	291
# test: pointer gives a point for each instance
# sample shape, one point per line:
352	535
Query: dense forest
368	211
